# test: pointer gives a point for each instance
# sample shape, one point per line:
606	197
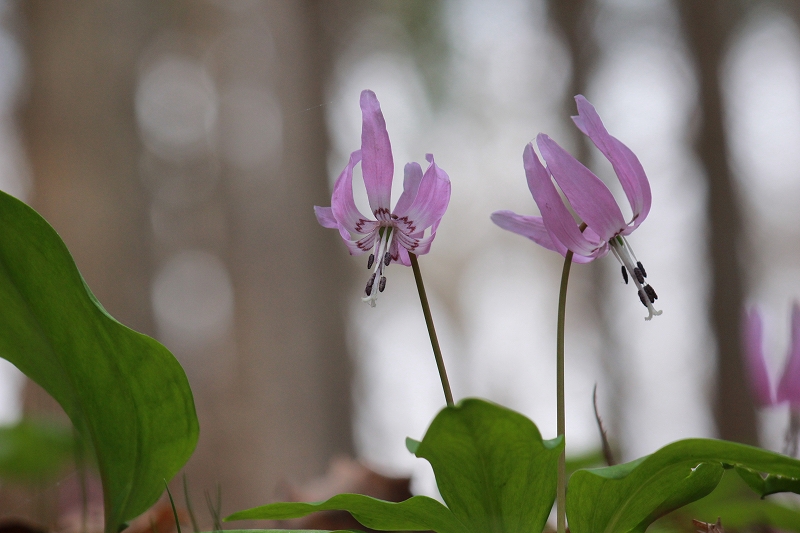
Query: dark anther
387	258
370	283
639	275
370	261
651	293
643	297
625	274
641	267
382	283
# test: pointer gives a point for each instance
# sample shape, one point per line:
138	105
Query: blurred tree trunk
288	410
82	140
707	27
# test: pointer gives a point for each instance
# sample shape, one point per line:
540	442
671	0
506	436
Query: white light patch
193	298
11	382
762	77
176	106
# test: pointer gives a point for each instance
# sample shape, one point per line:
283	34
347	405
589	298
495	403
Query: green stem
561	491
426	310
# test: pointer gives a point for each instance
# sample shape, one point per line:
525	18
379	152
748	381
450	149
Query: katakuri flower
408	228
605	227
788	390
789	385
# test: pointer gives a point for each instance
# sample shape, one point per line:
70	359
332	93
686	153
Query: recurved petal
789	386
377	165
411	179
626	165
402	256
754	357
325	217
361	245
430	202
587	194
527	226
555	216
533	228
417	244
343	206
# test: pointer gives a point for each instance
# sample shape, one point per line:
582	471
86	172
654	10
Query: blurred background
178	148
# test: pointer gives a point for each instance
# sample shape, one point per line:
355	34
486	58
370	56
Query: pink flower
789	385
589	198
393	234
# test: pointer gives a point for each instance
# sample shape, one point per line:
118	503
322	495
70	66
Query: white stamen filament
624	254
382	246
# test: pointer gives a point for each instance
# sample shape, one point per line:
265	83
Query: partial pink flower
606	228
760	386
788	390
789	385
394	233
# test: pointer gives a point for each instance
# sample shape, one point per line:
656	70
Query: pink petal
360	246
587	194
343	206
325	217
534	229
527	226
754	357
377	165
430	203
402	255
411	179
416	245
626	165
789	387
555	216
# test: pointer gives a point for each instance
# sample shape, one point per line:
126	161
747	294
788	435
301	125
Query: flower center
630	265
377	282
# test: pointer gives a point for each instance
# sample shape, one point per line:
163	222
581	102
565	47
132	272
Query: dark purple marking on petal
360	224
382	213
408	225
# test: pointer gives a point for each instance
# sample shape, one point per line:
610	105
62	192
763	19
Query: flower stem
426	310
561	490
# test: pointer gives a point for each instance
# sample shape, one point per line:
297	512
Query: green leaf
740	515
286	531
412	445
33	450
627	498
771	484
739	508
493	469
418	513
124	392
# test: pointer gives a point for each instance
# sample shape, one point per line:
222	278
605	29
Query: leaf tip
412	445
